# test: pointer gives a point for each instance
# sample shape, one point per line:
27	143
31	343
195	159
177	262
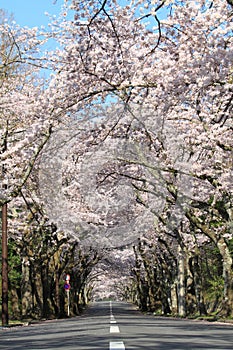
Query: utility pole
5	315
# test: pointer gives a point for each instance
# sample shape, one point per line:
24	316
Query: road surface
118	326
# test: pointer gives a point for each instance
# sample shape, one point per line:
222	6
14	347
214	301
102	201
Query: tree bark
5	315
181	286
15	304
228	277
198	286
26	290
226	258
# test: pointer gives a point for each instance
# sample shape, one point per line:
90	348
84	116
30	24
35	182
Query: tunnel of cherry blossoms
116	159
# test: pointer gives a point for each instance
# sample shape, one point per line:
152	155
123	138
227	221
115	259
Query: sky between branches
31	13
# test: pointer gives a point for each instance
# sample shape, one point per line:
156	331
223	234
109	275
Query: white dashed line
114	329
112	319
116	345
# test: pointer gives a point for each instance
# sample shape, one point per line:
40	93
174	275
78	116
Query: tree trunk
174	298
57	294
221	244
227	309
15	304
37	291
181	285
26	290
46	290
198	287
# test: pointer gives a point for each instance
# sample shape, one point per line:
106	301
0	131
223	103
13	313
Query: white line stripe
114	329
116	345
110	305
113	321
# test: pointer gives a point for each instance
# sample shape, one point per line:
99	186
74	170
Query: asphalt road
118	326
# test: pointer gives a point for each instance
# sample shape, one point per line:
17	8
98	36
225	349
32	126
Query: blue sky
31	12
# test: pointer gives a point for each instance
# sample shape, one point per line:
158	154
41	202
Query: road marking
110	305
113	321
116	345
114	329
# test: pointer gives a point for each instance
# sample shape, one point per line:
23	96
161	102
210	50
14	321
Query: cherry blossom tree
162	158
188	97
